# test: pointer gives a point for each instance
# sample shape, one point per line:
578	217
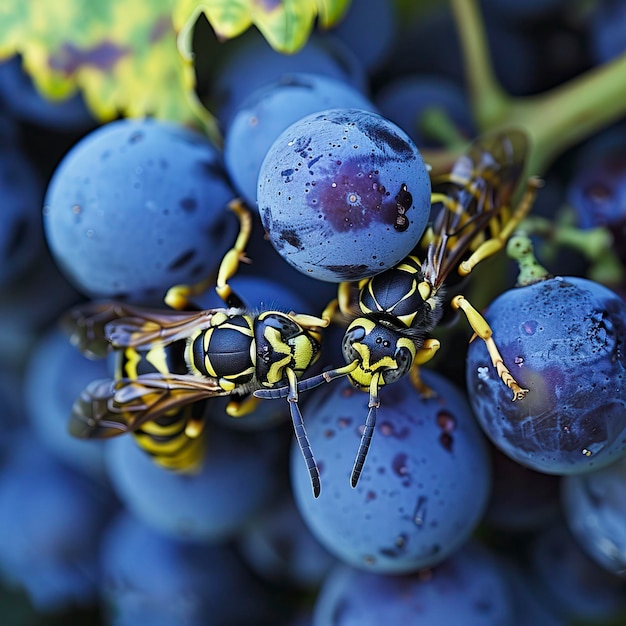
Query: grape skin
268	111
343	194
425	482
564	340
149	578
53	518
236	482
595	509
118	179
469	588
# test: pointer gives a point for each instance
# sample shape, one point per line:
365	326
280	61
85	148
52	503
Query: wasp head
379	346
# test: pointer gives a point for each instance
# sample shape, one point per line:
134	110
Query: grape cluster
471	507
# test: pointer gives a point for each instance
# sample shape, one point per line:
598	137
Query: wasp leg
424	354
338	307
310	321
178	296
242	406
483	330
496	243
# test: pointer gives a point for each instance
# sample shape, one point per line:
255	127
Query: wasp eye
353	335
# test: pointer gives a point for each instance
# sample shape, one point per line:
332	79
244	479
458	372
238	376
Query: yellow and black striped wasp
472	218
169	361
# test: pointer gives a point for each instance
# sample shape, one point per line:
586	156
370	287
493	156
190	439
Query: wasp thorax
396	293
378	346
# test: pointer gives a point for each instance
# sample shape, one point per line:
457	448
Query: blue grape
249	62
136	207
407	99
21	194
424	486
369	28
530	607
257	292
343	194
282	550
29	307
468	588
268	111
150	578
564	340
597	191
595	510
266	261
50	527
55	376
607	36
237	481
522	499
20	97
569	583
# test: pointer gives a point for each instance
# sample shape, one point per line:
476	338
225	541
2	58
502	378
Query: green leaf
122	54
286	24
133	57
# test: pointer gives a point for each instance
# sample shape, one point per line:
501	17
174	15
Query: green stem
488	99
520	249
556	119
573	111
436	124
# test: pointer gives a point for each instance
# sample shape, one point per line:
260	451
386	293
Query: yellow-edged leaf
331	11
133	57
286	24
122	55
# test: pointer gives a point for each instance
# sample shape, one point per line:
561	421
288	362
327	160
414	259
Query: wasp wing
147	327
96	328
477	191
85	325
108	407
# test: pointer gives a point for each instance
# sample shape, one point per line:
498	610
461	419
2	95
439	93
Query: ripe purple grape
268	111
595	510
424	486
150	578
343	194
237	480
573	586
468	588
136	207
564	339
21	191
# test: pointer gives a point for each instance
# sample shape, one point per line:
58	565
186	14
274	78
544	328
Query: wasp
170	361
472	217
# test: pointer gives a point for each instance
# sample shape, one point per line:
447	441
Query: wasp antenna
300	432
368	431
272	394
305	447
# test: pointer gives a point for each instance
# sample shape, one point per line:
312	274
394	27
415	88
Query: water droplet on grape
482	373
419	514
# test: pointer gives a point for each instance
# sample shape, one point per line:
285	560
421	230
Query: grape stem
555	119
